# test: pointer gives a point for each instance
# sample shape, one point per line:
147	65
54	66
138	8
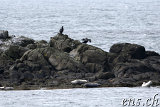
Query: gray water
95	97
104	21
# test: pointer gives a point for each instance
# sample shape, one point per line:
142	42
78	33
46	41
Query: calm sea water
104	21
95	97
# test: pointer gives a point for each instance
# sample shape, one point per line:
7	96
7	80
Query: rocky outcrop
22	41
132	65
63	42
4	34
126	51
29	64
94	59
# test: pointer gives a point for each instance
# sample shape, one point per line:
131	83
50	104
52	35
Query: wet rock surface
29	64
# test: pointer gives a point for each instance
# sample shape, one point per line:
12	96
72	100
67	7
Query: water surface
93	97
104	21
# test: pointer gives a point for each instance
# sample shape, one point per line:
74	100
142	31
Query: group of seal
84	40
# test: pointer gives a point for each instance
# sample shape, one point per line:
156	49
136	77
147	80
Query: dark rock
124	82
5	62
130	68
4	34
64	43
93	58
32	46
151	53
1	71
26	76
153	62
15	52
26	62
105	75
128	50
15	76
51	57
22	41
137	71
42	42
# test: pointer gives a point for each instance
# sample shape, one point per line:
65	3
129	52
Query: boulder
63	42
130	68
105	75
26	76
15	76
15	52
93	58
129	51
22	41
124	82
51	57
5	62
136	71
4	34
151	53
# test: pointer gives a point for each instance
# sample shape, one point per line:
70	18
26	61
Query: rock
63	42
4	34
26	63
105	75
128	50
47	62
130	68
78	82
151	53
32	57
15	76
32	46
26	76
1	71
91	85
124	82
22	41
15	52
93	58
42	44
153	62
62	61
38	44
5	62
137	71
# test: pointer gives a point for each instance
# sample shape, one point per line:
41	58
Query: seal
79	81
91	85
6	88
148	84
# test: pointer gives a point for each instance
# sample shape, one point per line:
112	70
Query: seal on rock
91	85
79	81
148	84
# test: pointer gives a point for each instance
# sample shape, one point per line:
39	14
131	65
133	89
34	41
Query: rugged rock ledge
29	64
